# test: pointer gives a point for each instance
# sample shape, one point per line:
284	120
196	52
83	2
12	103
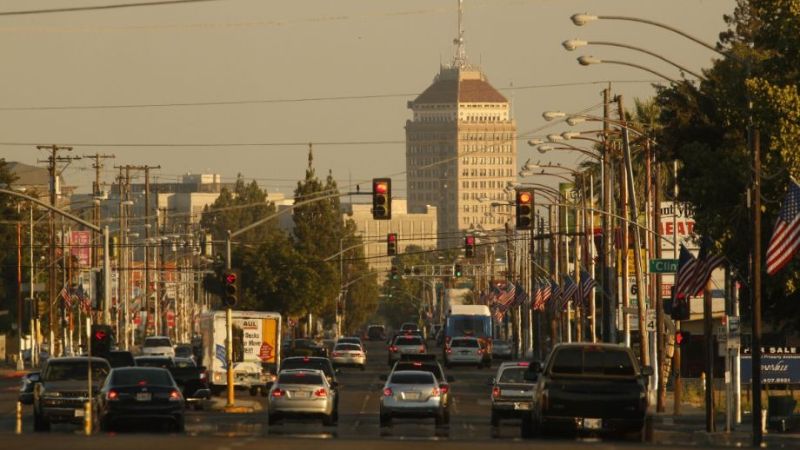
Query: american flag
708	263
686	277
505	296
555	295
520	297
587	284
66	297
569	291
542	294
786	238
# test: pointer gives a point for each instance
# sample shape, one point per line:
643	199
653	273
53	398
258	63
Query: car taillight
545	399
174	396
422	349
480	351
448	350
444	388
336	354
435	391
392	348
495	392
203	376
321	393
387	392
112	395
277	393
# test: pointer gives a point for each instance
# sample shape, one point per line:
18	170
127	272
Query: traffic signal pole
229	330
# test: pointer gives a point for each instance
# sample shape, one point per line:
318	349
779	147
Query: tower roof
467	87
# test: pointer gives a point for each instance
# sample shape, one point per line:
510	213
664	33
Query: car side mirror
34	377
386	377
490	381
647	371
450	378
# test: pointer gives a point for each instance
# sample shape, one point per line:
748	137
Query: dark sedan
140	393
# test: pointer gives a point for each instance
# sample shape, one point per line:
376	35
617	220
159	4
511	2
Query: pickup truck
586	388
190	378
61	391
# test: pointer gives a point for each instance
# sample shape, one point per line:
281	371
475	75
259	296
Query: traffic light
524	210
393	274
391	244
682	338
230	288
469	246
680	306
458	271
102	340
381	198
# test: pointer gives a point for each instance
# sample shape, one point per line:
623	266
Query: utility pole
661	397
609	294
147	226
52	168
97	166
756	291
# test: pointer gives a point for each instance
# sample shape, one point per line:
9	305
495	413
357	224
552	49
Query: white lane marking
361	412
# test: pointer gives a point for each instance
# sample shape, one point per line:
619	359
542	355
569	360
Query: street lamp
573	44
553	115
589	60
554	137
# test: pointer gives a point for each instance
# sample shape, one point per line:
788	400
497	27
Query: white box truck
256	349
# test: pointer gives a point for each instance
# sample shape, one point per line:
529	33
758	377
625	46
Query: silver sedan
345	354
302	393
412	394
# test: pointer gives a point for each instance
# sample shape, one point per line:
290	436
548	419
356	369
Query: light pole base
233	409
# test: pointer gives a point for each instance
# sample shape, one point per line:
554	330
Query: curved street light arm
653	54
640	67
667	27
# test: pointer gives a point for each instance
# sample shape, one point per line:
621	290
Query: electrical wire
99	7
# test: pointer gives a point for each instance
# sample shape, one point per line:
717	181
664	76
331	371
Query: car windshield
120	359
349	340
140	377
348	347
164	363
513	375
74	370
300	378
408	340
412	378
432	368
184	362
408	327
468	343
157	342
308	363
183	351
592	360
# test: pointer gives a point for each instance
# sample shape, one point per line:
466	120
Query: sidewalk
691	424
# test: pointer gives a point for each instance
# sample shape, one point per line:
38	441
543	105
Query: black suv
62	390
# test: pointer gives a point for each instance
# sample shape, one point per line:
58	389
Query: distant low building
417	228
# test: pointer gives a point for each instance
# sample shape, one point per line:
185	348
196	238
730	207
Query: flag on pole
685	278
569	291
555	295
707	263
520	296
785	239
587	284
65	296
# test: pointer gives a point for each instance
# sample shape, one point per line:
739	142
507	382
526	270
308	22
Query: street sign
651	320
734	326
663	265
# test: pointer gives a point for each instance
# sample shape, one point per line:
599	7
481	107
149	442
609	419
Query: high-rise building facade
461	150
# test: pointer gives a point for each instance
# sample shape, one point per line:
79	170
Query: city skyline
278	63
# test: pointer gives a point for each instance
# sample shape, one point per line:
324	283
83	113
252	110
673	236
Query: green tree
706	129
8	246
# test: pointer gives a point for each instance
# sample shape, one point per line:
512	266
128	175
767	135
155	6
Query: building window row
466	161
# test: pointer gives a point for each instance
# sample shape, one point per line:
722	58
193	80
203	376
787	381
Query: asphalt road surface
357	428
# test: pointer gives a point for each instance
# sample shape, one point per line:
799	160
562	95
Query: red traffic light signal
682	337
391	244
469	246
524	206
381	198
230	288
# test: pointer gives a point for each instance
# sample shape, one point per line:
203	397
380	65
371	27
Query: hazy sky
257	52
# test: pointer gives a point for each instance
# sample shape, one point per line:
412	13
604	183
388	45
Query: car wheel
40	423
439	420
180	424
363	367
385	420
526	427
327	420
273	419
480	365
495	421
253	391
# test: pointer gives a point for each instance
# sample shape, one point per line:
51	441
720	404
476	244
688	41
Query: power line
98	7
291	100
